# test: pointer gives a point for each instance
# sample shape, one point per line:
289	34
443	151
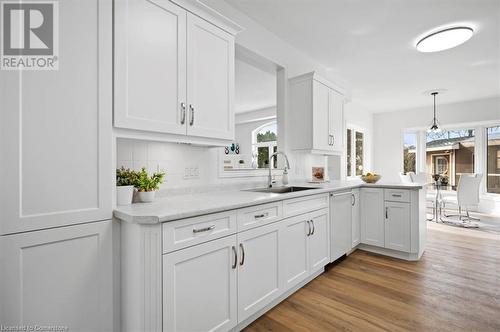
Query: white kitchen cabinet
259	268
210	77
316	111
199	287
55	127
336	120
341	224
356	219
319	241
60	276
305	246
150	66
397	226
372	216
295	249
174	71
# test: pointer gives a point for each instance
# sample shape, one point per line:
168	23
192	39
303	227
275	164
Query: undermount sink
280	190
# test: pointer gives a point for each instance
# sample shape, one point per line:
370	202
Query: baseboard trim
276	301
409	256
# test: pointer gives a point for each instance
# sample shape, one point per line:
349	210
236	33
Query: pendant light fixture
435	125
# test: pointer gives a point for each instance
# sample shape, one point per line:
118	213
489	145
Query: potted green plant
125	182
147	185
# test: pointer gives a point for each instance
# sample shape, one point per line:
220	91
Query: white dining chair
467	196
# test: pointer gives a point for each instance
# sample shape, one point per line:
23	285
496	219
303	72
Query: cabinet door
321	109
356	219
199	287
55	127
336	120
397	226
60	276
259	279
341	225
294	250
319	240
372	216
150	66
210	75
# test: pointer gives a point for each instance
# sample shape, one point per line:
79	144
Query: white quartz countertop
182	206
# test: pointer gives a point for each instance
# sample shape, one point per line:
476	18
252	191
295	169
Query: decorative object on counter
370	177
318	174
125	182
233	148
148	185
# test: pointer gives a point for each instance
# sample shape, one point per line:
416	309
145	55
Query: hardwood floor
454	287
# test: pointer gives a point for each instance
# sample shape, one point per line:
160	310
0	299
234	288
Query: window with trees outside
493	160
354	152
450	153
410	152
265	144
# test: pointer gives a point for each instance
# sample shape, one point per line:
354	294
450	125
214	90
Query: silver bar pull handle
235	253
204	229
386	212
308	228
314	227
191	109
262	215
183	113
353	202
242	254
396	195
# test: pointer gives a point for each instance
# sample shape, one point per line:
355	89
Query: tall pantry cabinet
55	202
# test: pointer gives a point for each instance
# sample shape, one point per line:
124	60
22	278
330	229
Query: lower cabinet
199	287
397	226
319	240
386	223
58	277
216	285
258	269
306	246
372	216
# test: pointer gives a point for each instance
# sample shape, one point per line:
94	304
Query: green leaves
139	179
125	177
149	183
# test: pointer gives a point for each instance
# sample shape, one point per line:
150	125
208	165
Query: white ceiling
255	88
370	43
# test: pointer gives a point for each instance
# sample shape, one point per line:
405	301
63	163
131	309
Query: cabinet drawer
300	205
397	195
187	232
259	215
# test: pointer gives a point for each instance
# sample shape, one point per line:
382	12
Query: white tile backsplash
174	159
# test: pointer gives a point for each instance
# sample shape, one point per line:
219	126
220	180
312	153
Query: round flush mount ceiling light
444	39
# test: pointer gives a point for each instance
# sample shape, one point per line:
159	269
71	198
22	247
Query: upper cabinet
55	128
317	112
174	70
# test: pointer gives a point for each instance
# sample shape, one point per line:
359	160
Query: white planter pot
124	195
146	196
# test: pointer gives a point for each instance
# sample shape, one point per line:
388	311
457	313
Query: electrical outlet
192	172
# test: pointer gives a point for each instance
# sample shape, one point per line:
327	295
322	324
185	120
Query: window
265	144
409	152
355	152
493	160
450	153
